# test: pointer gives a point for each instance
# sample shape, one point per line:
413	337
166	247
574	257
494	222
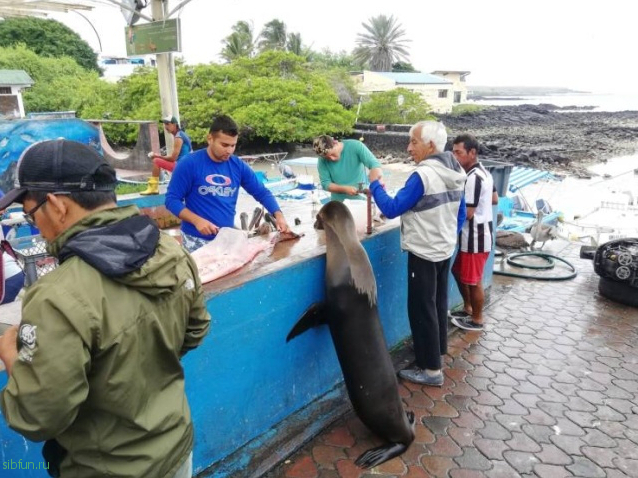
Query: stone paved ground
549	389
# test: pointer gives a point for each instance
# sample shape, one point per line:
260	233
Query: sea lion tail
312	317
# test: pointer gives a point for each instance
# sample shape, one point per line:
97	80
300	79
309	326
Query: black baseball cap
60	165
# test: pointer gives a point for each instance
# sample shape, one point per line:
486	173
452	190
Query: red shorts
162	163
468	266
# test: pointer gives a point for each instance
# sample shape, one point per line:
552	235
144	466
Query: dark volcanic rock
541	136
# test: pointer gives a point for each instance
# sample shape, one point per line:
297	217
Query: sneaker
466	323
419	376
459	314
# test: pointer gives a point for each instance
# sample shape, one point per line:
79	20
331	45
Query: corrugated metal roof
414	78
521	177
15	77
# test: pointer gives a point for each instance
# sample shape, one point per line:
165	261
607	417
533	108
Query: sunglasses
28	216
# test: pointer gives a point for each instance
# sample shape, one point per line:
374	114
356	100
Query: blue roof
414	78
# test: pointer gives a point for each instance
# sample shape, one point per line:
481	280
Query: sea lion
350	310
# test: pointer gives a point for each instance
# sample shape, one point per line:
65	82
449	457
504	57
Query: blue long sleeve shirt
210	190
406	198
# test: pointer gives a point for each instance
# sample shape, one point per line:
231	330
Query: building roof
15	77
460	72
40	8
414	78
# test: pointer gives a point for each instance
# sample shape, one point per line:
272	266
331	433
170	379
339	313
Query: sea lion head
334	213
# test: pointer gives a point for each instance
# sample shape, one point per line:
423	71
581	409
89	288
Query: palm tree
296	46
382	45
239	43
273	36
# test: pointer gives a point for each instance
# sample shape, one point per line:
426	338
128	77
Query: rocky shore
543	136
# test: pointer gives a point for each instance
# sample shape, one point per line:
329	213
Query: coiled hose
549	264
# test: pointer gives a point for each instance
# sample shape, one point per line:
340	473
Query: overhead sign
155	37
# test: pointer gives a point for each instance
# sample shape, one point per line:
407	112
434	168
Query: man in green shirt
342	166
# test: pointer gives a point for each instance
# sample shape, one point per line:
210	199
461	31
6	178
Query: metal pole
166	74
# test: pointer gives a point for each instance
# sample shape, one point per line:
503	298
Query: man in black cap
181	148
94	366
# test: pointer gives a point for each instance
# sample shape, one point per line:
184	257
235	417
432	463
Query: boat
275	158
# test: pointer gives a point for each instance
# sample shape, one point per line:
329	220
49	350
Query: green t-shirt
349	170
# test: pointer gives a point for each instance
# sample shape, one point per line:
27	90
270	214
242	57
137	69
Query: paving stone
502	469
303	468
553	409
326	456
538	433
565	426
394	467
627	466
463	437
603	457
582	419
492	449
494	431
512	407
585	468
438	466
552	455
418	400
511	422
466	474
599	439
445	446
614	473
437	425
339	436
347	469
620	405
468	420
551	471
472	459
569	444
521	461
484	412
522	442
517	373
478	383
627	449
460	403
538	417
416	472
526	399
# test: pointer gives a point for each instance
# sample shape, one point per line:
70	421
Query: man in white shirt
477	234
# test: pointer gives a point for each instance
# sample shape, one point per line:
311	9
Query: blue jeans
12	286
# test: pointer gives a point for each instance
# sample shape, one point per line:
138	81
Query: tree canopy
60	83
48	38
398	106
382	45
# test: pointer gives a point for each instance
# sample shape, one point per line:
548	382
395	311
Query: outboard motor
618	260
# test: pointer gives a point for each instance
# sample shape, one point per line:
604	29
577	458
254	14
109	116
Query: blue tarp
521	177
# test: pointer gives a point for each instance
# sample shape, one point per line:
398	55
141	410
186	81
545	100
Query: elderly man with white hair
432	211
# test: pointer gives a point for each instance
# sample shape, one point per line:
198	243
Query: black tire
618	291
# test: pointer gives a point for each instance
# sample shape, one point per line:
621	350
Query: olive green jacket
99	356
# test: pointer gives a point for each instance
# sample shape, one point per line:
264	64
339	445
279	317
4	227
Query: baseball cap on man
170	119
60	165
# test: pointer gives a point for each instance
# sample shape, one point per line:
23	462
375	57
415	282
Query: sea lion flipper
380	454
312	317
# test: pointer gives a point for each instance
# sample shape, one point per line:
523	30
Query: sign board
155	37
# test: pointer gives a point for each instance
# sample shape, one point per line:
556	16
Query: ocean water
600	101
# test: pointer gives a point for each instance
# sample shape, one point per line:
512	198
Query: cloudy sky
586	45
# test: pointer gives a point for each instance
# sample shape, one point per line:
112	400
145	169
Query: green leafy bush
398	106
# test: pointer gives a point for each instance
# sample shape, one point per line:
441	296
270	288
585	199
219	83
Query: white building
440	92
116	68
12	82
